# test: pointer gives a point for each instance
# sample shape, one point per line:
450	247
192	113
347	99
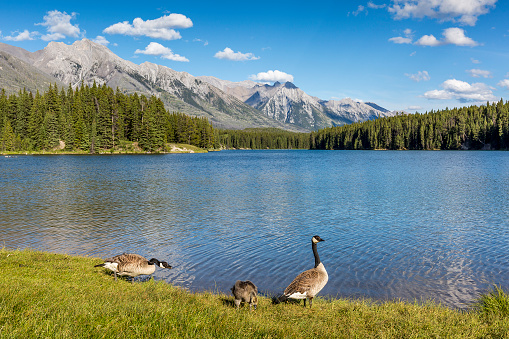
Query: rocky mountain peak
290	85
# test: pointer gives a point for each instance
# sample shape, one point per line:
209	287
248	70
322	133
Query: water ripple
409	225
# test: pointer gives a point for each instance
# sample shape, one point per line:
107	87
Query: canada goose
132	265
245	291
310	282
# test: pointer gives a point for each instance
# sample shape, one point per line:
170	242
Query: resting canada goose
310	282
245	291
132	265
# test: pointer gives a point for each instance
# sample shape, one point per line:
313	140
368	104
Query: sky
411	55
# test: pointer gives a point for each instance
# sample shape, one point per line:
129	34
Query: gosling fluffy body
245	291
132	265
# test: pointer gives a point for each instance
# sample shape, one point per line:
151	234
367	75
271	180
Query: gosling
245	291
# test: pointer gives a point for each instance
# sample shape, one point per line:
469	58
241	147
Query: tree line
91	118
474	127
263	138
94	118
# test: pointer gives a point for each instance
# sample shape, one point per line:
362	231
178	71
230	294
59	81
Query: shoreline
59	295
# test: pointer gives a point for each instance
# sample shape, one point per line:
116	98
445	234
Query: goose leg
305	303
310	302
115	275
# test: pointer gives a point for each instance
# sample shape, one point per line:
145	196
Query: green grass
125	147
45	295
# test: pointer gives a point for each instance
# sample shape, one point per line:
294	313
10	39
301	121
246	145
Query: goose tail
279	299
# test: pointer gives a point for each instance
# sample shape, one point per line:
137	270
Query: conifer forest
95	118
92	119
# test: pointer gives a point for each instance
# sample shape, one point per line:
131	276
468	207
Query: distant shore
169	149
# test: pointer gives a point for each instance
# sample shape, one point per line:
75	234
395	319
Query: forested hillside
97	118
263	138
92	119
474	127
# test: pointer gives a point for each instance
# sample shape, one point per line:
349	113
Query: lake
412	225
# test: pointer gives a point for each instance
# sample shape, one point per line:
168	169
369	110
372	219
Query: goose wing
303	282
128	258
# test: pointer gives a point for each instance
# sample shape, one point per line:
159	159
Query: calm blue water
411	225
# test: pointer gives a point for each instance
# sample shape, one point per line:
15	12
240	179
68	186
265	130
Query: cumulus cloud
456	36
407	39
400	40
21	36
359	10
272	76
420	76
463	11
375	6
58	24
462	91
160	28
452	36
157	49
229	54
101	40
428	40
504	83
479	73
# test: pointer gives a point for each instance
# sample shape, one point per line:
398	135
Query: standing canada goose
310	282
132	265
245	291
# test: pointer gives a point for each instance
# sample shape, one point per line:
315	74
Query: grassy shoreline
128	148
61	296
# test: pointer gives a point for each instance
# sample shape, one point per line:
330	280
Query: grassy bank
123	148
61	296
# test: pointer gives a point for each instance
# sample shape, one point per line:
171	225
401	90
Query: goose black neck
153	261
315	252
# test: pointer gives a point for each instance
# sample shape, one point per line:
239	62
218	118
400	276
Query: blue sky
413	55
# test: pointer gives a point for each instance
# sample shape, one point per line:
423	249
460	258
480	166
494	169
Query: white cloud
157	49
428	40
474	61
462	91
463	11
359	10
272	76
160	28
401	40
479	73
374	6
101	40
407	39
58	24
53	36
420	76
205	43
22	36
504	83
229	54
452	36
456	36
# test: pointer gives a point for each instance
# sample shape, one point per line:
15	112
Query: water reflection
411	225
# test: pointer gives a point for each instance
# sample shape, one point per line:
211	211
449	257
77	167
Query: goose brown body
132	265
308	283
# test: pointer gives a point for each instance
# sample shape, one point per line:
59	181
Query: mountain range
227	104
